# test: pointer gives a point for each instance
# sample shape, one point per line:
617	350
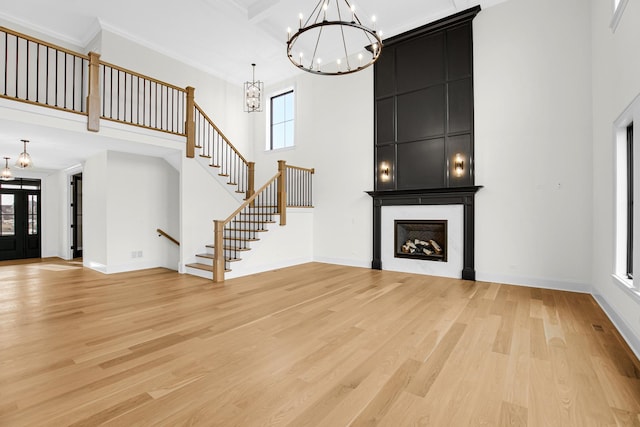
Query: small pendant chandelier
6	175
24	159
333	33
253	94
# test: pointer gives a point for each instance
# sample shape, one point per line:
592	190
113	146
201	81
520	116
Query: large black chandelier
333	41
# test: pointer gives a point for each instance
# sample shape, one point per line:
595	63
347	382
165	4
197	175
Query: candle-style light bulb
353	13
288	33
300	16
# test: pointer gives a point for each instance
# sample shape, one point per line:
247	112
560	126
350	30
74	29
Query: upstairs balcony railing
36	72
41	73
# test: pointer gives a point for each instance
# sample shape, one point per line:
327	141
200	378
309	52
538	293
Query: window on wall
630	201
7	214
626	176
282	119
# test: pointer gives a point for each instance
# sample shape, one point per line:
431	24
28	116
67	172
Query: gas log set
416	246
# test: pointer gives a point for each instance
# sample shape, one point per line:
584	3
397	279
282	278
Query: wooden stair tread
210	256
215	166
205	267
237	239
232	183
204	156
223	174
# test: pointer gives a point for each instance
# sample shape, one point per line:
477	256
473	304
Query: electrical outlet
139	254
134	254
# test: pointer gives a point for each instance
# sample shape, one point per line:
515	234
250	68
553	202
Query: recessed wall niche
423	85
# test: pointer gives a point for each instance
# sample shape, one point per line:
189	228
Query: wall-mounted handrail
162	233
38	72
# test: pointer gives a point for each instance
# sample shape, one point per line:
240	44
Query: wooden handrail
164	233
312	170
220	133
42	42
250	200
142	76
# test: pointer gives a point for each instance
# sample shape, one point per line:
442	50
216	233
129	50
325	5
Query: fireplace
421	239
456	205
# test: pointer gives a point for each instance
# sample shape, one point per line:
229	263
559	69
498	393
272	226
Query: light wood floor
317	344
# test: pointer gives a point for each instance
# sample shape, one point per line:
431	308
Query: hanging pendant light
24	159
6	175
333	33
253	94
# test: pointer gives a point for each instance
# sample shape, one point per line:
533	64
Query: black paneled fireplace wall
424	106
423	92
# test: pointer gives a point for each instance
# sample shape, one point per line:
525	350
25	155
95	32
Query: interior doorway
76	215
20	219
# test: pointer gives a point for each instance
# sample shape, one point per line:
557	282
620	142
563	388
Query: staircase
237	238
88	86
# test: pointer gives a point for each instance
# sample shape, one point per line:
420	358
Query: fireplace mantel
432	196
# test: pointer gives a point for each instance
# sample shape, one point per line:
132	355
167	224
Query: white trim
619	323
343	261
617	13
536	282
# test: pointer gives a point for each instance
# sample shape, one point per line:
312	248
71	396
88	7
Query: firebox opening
421	239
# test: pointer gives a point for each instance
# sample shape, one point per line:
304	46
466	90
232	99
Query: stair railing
299	187
37	72
232	235
221	154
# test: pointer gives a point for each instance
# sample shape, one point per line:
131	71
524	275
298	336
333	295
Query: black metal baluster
6	61
17	61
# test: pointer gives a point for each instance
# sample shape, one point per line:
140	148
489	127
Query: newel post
190	125
282	191
251	177
93	97
218	251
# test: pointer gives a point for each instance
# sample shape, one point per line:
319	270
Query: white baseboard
622	326
536	282
240	272
121	268
343	261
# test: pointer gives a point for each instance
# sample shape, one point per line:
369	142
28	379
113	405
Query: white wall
142	195
52	205
532	84
334	135
126	198
94	214
202	200
616	82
